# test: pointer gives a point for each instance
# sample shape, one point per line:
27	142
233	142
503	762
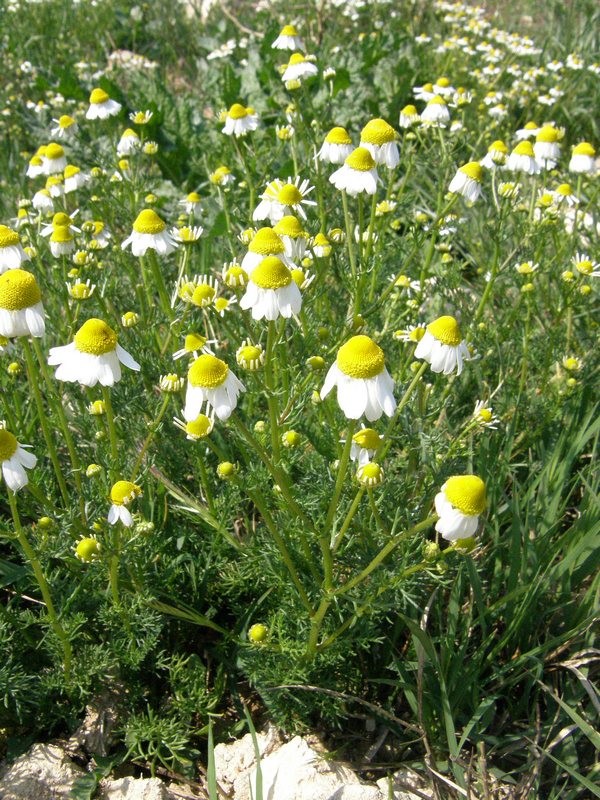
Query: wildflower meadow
299	372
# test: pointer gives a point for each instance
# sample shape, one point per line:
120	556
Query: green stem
337	540
112	433
272	397
114	564
349	234
343	466
159	281
153	428
43	584
387	441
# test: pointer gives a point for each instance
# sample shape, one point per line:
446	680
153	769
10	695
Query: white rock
402	782
234	762
44	772
135	789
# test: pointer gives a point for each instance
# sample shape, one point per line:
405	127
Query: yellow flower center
266	242
248	354
485	414
360	160
271	273
466	493
61	219
203	294
530	126
428	87
367	438
193	197
148	221
296	58
65	121
194	342
208	372
445	330
199	427
572	364
61	233
584	149
338	136
81	291
18	290
473	170
8	237
8	445
87	548
237	111
36	161
298	277
98	96
524	149
71	170
221	304
370	472
289	195
499	146
409	111
289	30
443	82
377	132
437	101
585	267
564	189
124	492
98	227
547	134
54	151
289	226
360	357
96	338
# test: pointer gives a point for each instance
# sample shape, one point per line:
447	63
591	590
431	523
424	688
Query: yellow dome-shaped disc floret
71	170
377	132
499	146
524	149
65	121
296	58
466	493
271	273
148	221
61	233
237	111
123	493
61	219
289	30
194	342
208	372
193	197
443	82
446	330
289	195
360	357
200	427
8	445
18	290
564	189
370	474
54	151
87	549
530	126
436	101
367	438
409	111
266	242
8	237
98	96
547	134
361	160
95	337
203	294
289	226
584	149
338	136
250	356
473	170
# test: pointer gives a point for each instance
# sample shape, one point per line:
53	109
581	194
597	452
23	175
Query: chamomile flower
529	131
93	356
298	68
583	159
60	220
336	146
211	381
484	416
546	147
526	267
65	127
364	385
436	112
240	120
282	198
187	234
271	291
141	117
443	87
81	290
467	181
585	266
15	459
122	495
42	201
234	276
74	178
196	429
101	106
459	504
564	194
365	443
101	235
61	241
370	475
171	383
572	364
149	233
193	344
129	143
265	242
288	39
223	305
522	159
21	309
495	156
442	346
191	203
203	293
250	356
358	174
12	254
321	246
409	116
424	92
379	138
222	176
293	236
54	159
414	333
87	549
35	167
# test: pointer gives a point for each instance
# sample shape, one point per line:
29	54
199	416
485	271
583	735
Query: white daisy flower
358	173
42	201
298	68
495	156
191	203
365	443
271	291
436	112
336	146
424	92
529	131
240	120
288	39
74	178
54	159
211	381
149	233
265	242
14	460
35	167
564	194
282	198
21	309
546	147
364	385
586	266
379	138
484	416
101	106
458	505
293	236
409	116
193	344
522	159
583	159
12	254
196	429
122	495
467	181
442	346
129	143
93	356
65	127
